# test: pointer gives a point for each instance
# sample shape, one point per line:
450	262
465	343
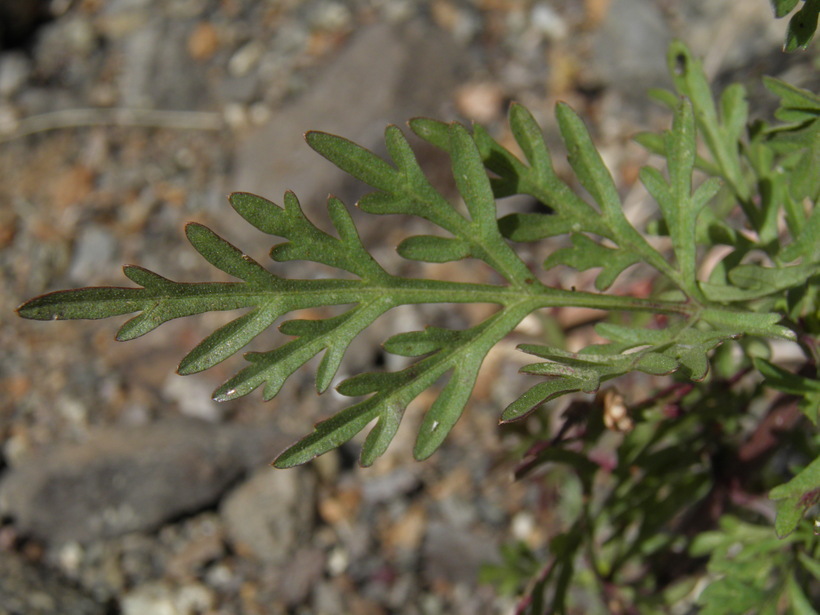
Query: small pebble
203	42
245	58
547	21
480	102
15	69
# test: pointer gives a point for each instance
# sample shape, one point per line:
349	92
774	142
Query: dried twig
76	118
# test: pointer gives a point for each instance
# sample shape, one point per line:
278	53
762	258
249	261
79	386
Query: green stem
289	295
535	295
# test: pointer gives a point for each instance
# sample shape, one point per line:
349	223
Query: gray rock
95	249
154	56
329	599
271	514
36	591
390	486
630	49
15	68
66	51
301	575
731	36
384	75
160	598
454	554
128	479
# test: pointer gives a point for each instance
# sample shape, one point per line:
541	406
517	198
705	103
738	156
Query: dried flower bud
616	413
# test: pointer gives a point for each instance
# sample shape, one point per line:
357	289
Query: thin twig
76	118
526	600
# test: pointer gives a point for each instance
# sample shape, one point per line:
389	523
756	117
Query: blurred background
123	487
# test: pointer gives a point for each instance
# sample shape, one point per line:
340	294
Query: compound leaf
700	316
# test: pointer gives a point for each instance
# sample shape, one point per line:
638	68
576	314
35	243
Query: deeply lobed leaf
704	313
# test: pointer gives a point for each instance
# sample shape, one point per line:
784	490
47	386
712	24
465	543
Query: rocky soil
123	487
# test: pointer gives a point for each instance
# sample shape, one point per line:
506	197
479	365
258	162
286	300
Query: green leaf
447	408
719	133
679	206
799	601
472	181
355	160
419	343
749	568
594	176
796	497
667	99
587	162
802	26
226	257
228	340
432	249
433	131
694	321
662	352
541	394
748	322
734	111
514	177
810	564
91	303
761	281
528	135
805	184
681	159
655	143
785	381
534	227
329	434
796	104
333	335
308	242
595	364
730	597
460	353
586	254
783	7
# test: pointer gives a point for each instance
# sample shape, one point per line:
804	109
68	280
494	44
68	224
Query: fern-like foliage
754	573
701	314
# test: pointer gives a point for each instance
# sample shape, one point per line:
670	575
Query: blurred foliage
802	24
689	510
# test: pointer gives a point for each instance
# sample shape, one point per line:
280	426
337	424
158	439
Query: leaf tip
290	458
192	229
235	198
311	137
24	310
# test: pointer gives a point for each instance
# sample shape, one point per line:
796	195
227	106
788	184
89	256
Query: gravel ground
124	488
